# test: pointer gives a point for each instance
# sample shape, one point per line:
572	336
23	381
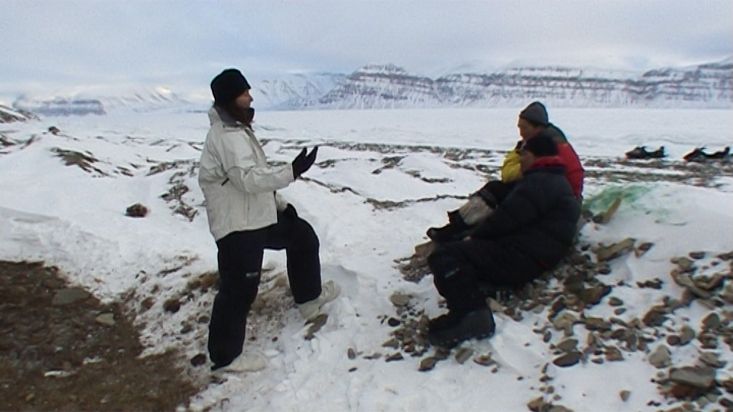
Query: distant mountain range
389	86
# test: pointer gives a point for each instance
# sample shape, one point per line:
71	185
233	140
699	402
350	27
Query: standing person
246	216
532	121
530	231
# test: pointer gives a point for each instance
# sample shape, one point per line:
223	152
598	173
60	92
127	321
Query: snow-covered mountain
98	100
294	91
388	86
8	115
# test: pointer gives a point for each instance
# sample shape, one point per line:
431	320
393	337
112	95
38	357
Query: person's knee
443	262
305	236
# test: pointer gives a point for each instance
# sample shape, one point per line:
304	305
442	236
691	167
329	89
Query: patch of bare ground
61	349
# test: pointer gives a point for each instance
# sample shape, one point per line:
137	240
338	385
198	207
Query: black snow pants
240	262
464	271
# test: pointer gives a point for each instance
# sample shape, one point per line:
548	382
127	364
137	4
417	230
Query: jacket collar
547	163
221	118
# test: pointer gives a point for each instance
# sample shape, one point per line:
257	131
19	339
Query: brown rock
568	359
136	210
172	305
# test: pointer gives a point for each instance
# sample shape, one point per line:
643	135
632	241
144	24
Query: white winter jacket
238	184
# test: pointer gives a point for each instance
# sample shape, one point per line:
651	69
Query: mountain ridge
389	86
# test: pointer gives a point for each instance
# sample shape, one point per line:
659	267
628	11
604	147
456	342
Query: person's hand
303	161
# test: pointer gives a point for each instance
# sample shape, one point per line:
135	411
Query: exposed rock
69	295
568	345
136	210
399	299
427	364
106	319
463	354
698	377
660	357
605	253
655	316
568	359
697	255
172	305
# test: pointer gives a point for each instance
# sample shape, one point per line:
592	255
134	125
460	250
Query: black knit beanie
535	113
541	145
227	86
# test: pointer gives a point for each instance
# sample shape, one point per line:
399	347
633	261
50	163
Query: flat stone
711	359
69	295
697	377
614	301
427	364
463	355
568	345
697	255
605	253
661	357
106	319
568	359
399	299
687	334
613	354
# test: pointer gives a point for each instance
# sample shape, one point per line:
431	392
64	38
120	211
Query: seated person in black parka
530	231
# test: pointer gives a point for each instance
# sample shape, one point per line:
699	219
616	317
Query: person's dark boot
454	230
476	324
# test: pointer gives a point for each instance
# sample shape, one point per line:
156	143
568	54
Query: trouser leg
301	245
240	262
455	280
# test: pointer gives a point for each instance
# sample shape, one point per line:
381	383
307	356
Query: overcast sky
187	42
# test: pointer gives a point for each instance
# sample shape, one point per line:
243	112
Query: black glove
303	161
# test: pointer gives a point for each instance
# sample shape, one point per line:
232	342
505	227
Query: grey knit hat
535	113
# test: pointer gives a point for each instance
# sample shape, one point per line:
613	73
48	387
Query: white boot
252	361
329	291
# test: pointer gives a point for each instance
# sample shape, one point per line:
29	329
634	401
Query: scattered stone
351	353
606	253
315	325
564	321
537	404
392	343
613	354
614	301
625	395
673	340
484	360
711	322
655	283
684	264
106	319
661	357
594	294
687	334
568	345
172	305
697	255
69	295
427	364
198	360
136	210
697	377
711	359
400	299
394	357
373	356
643	248
463	355
655	316
393	322
598	324
709	283
568	359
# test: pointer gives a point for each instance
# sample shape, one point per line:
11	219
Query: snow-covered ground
381	179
